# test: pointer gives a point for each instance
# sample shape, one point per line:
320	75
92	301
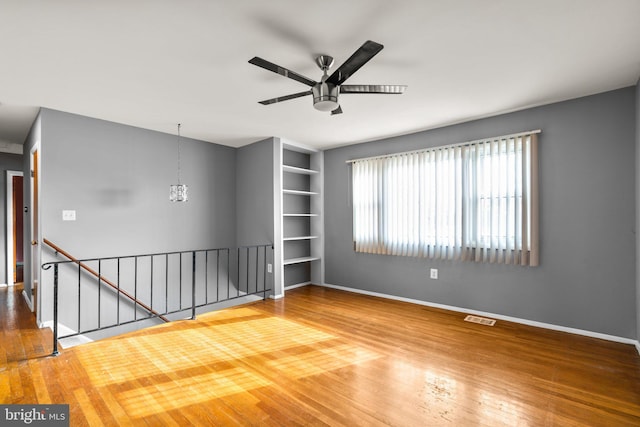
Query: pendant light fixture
178	192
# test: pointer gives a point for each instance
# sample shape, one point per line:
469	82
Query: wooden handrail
103	279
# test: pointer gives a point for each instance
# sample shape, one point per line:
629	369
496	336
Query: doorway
15	228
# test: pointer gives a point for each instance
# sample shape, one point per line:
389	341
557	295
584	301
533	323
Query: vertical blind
474	201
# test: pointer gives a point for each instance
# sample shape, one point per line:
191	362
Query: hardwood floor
324	357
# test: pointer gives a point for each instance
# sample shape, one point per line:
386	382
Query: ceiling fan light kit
325	92
325	97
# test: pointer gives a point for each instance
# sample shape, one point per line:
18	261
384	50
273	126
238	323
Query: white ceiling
153	63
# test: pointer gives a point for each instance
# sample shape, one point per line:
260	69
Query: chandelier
178	192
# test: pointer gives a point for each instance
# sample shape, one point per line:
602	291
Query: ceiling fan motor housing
325	96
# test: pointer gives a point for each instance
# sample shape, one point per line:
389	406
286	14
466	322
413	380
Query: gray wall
117	179
254	183
254	206
12	162
586	279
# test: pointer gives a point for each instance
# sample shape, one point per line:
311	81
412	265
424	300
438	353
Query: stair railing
215	275
102	279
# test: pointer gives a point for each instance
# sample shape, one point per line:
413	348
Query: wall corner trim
27	300
527	322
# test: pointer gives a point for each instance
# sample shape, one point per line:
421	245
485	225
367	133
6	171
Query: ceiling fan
325	92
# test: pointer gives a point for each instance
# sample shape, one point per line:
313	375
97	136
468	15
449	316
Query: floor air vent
480	320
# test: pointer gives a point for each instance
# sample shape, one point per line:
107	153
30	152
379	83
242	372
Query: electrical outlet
68	215
434	273
269	268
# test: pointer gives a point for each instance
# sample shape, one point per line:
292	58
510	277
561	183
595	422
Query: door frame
11	262
34	183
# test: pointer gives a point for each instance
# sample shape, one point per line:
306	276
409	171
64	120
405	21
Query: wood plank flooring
324	357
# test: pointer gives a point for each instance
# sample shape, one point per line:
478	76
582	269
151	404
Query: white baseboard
74	341
278	296
27	300
62	329
297	285
3	285
63	333
495	316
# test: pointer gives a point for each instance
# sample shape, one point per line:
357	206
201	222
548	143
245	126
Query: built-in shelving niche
302	230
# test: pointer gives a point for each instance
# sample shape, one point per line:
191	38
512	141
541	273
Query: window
473	201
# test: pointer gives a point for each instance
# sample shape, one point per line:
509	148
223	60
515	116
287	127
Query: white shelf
295	169
299	192
300	148
300	260
299	231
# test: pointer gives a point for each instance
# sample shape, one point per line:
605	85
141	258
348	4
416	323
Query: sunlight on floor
216	343
145	401
200	344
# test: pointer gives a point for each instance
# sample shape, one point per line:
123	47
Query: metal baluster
151	284
135	288
55	311
79	301
193	285
99	290
206	277
166	283
217	275
118	294
264	273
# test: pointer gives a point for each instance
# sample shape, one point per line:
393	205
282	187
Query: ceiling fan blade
360	57
285	98
390	89
281	70
337	111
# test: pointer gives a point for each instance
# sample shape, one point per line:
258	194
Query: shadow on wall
114	197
